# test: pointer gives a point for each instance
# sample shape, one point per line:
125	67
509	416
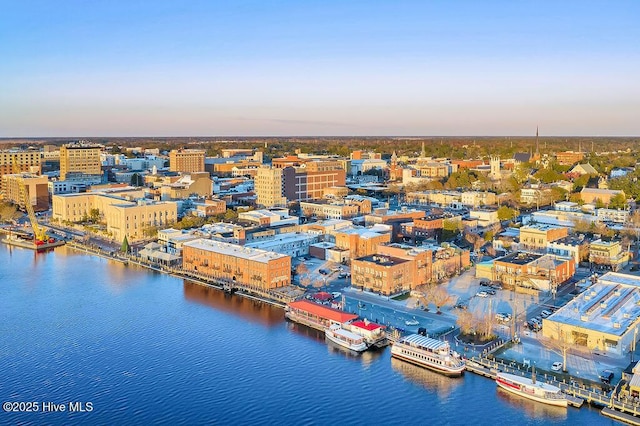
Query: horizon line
322	136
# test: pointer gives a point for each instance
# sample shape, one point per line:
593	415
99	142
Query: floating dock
477	366
620	416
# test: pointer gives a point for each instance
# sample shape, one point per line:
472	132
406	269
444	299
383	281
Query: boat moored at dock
316	316
345	338
429	353
529	388
373	334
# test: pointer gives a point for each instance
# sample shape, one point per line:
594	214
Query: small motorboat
362	306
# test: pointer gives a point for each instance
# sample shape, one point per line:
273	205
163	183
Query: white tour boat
529	388
429	353
412	322
345	338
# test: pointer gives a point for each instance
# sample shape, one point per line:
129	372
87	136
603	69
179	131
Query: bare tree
634	223
559	343
485	324
440	297
466	322
303	273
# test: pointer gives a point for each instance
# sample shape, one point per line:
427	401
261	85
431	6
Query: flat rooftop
383	260
235	250
520	258
286	238
611	305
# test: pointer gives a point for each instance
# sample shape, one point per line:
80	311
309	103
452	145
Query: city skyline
362	68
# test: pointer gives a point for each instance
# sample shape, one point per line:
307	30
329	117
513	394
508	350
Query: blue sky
245	68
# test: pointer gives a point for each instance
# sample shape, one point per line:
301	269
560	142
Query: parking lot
321	274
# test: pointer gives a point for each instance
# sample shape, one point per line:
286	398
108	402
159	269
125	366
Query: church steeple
423	153
537	142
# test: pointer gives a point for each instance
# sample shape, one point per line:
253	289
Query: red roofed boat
317	316
374	334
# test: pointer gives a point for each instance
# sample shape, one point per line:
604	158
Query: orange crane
39	233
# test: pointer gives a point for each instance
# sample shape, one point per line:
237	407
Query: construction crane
39	233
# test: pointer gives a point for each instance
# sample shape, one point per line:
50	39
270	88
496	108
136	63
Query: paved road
395	313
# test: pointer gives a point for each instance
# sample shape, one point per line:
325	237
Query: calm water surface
146	348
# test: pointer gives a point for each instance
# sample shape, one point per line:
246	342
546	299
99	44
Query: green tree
547	175
618	202
506	213
125	248
94	215
451	228
8	211
230	215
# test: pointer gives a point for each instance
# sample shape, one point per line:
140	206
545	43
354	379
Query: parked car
461	305
491	292
496	286
323	271
484	283
545	313
482	294
557	366
342	275
503	317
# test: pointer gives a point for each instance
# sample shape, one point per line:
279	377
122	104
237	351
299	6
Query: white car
482	294
556	366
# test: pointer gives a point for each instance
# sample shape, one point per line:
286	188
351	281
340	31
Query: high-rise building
295	179
80	159
36	187
186	160
268	186
25	161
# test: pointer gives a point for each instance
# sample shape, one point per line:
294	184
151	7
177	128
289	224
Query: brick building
259	269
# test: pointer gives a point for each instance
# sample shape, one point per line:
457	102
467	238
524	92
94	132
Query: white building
294	244
272	217
612	215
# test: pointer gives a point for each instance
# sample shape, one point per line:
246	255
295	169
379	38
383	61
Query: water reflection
426	378
303	330
366	357
532	409
251	310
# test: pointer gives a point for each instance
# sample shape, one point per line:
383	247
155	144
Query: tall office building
307	180
268	185
25	161
186	160
80	159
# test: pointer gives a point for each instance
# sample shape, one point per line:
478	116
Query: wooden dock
489	368
620	416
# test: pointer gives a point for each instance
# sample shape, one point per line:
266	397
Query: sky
319	68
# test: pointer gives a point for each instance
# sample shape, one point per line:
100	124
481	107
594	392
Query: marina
182	336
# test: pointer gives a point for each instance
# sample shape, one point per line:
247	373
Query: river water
146	348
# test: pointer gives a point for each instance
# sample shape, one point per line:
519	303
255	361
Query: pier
275	297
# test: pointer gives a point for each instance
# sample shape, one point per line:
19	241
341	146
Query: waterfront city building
603	318
122	217
259	269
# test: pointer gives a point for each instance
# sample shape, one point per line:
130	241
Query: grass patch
476	339
403	296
